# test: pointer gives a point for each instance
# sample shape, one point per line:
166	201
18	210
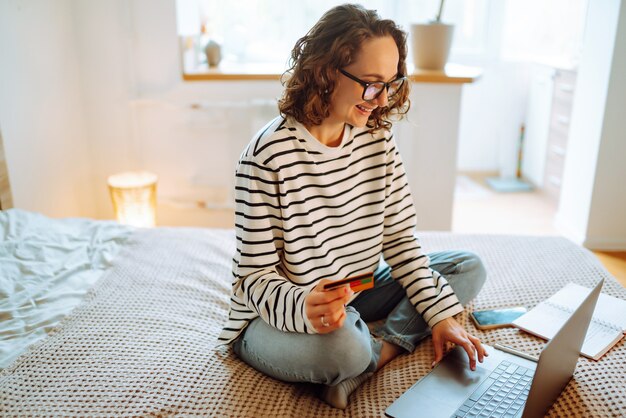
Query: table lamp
134	197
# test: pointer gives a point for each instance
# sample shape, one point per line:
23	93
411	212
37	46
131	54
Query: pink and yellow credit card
357	283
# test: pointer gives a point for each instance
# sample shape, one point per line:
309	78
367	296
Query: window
264	31
549	32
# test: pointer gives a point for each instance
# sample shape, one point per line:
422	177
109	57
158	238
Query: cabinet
558	132
547	128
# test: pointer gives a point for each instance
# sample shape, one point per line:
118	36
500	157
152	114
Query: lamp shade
133	194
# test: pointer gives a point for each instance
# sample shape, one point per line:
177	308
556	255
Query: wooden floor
615	263
478	209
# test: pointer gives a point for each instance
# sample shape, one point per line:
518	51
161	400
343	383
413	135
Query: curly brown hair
333	43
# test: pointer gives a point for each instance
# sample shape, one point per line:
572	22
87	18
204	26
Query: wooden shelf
234	72
453	74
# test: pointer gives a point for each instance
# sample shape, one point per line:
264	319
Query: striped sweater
305	211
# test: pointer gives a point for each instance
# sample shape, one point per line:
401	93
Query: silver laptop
504	385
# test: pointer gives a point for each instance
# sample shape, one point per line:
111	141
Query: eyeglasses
371	90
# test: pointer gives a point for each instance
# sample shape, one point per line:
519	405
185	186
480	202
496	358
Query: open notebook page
605	329
608	308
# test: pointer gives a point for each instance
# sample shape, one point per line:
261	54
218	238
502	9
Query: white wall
494	108
492	112
428	142
143	116
592	207
41	112
92	88
104	45
607	217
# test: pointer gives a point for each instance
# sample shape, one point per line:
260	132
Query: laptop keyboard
502	394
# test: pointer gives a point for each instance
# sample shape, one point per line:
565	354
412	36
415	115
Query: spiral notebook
607	327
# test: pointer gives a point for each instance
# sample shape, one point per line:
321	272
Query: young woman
321	195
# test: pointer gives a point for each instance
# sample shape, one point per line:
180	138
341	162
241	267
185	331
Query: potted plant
431	43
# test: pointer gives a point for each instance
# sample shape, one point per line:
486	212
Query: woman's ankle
388	352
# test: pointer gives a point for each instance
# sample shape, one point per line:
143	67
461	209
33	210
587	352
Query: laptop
505	384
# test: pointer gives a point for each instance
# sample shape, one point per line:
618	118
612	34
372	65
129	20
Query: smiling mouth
365	109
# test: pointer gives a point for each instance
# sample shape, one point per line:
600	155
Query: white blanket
46	267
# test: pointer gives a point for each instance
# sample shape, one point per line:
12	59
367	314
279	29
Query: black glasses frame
366	84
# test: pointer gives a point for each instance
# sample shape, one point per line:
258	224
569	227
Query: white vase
430	44
213	53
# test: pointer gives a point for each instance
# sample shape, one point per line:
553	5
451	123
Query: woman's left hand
450	330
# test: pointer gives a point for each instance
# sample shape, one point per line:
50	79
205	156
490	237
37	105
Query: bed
136	336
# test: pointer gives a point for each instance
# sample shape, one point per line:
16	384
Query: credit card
357	283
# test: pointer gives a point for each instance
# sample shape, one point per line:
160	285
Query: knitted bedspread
143	341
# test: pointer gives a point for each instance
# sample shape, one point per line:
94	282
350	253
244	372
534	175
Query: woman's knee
328	358
469	278
476	267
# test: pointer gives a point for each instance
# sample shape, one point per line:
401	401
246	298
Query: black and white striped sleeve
259	230
427	290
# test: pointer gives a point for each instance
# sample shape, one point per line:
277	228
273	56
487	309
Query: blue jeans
350	350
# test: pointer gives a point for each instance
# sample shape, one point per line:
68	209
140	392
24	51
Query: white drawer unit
558	132
547	128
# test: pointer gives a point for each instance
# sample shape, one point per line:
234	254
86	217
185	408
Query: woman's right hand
326	309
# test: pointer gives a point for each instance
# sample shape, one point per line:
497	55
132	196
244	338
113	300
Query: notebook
607	327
